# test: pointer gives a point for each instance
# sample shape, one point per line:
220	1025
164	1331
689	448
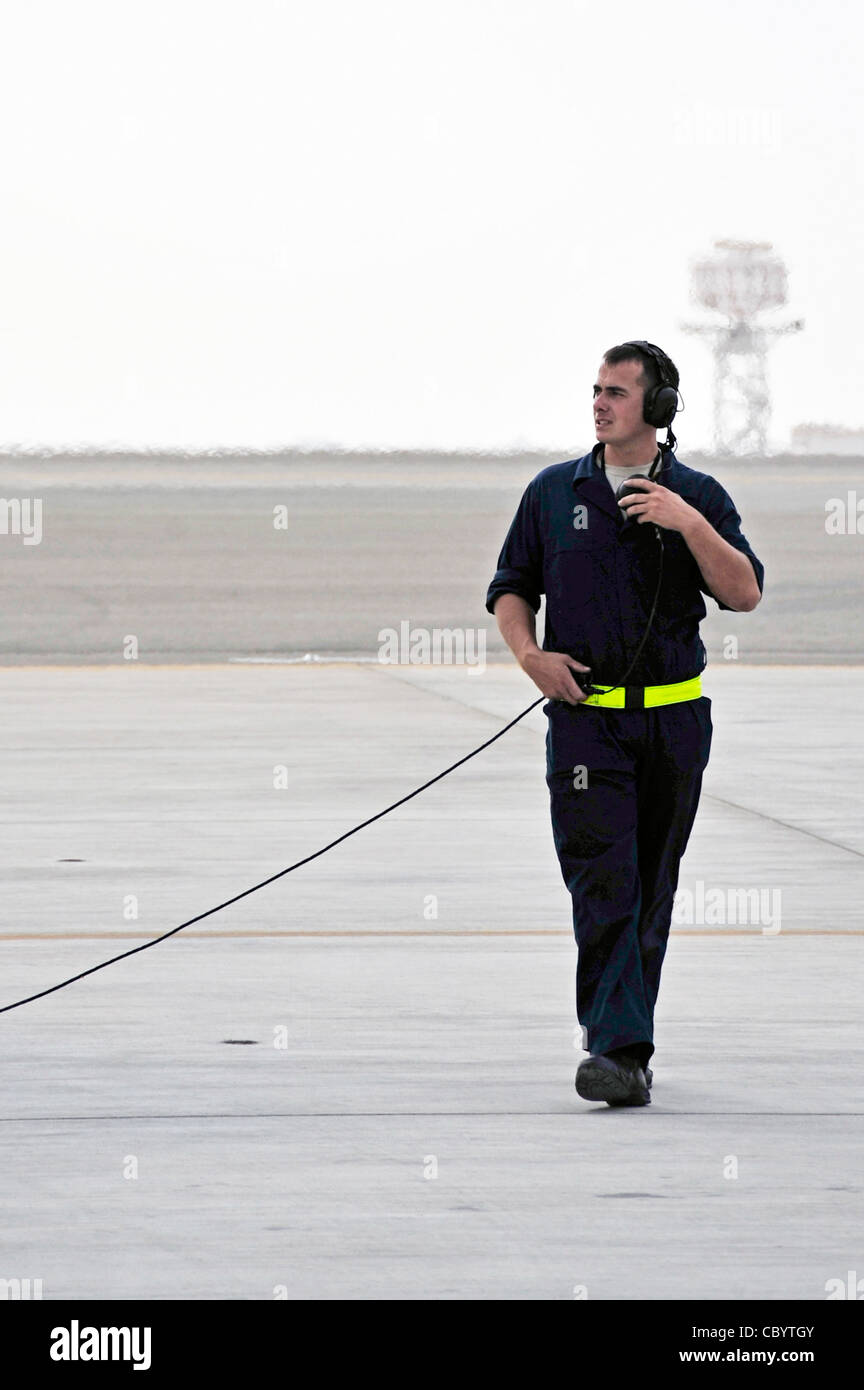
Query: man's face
618	398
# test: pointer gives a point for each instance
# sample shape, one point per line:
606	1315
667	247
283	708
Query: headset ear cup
661	405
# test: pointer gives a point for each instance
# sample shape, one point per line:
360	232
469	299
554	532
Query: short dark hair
629	352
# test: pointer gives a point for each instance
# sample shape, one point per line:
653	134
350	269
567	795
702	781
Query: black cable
273	877
655	470
623	680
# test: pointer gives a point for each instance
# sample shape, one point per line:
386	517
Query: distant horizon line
215	452
19	450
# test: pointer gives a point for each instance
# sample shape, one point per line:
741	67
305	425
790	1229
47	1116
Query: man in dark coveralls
629	730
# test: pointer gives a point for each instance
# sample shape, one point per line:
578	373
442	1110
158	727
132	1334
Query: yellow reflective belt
652	694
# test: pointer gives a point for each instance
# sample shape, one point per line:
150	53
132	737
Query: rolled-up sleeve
520	564
720	511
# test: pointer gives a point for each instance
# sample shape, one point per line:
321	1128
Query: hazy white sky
394	224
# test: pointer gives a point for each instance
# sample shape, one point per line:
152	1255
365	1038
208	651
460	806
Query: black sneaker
635	1057
628	1056
617	1080
625	1056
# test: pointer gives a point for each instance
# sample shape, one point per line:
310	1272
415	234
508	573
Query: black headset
660	403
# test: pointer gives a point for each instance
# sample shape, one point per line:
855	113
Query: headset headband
657	355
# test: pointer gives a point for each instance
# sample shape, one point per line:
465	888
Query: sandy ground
186	559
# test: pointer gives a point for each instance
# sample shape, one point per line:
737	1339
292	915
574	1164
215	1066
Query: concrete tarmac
358	1082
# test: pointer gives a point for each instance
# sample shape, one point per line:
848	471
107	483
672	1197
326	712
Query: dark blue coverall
620	836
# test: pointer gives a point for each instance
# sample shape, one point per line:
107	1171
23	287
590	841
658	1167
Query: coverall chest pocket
575	569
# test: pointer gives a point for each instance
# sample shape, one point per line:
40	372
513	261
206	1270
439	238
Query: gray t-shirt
616	476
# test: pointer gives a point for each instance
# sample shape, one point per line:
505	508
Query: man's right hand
552	672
